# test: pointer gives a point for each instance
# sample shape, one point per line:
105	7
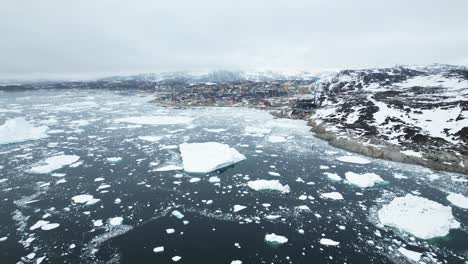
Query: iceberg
273	185
363	180
54	163
19	130
208	157
329	242
418	216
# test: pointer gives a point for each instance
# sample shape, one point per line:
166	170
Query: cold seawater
101	180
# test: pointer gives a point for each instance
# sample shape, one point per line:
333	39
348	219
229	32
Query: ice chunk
214	179
353	159
54	163
19	130
150	138
169	168
363	180
273	185
87	199
275	239
177	214
176	258
238	208
276	139
207	157
156	120
215	130
419	216
328	242
170	230
158	249
333	176
236	262
458	200
50	226
413	255
272	173
115	221
38	224
193	180
272	217
114	159
332	195
3	239
97	223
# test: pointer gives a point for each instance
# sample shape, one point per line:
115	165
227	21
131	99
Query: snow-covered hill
422	110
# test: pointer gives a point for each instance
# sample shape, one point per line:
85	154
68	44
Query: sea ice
328	242
363	180
333	176
176	258
276	139
177	214
114	159
354	159
84	199
214	179
236	262
332	195
54	163
169	168
238	208
413	255
458	200
156	120
207	157
20	130
419	216
272	173
50	226
275	239
150	138
158	249
274	185
170	230
115	221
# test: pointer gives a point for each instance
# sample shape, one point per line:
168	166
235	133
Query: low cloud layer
87	37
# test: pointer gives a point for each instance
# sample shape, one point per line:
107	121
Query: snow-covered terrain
423	111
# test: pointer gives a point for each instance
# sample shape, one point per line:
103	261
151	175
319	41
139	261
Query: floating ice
3	239
50	226
115	221
170	230
214	179
236	262
419	216
97	223
276	139
193	180
215	130
169	168
353	159
328	242
238	208
87	199
412	153
177	214
54	163
150	138
158	249
274	185
458	200
332	195
176	258
333	176
272	173
275	239
38	224
272	217
19	130
207	157
413	255
363	180
114	159
156	120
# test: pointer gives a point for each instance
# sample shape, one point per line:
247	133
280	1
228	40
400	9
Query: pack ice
207	157
19	130
418	216
54	163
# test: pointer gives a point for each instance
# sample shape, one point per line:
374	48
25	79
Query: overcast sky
102	37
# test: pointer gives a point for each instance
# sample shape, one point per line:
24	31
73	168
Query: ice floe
169	168
156	120
238	208
114	159
20	130
54	163
332	196
413	255
333	176
115	221
363	180
275	239
273	185
176	258
150	138
418	216
354	159
84	199
328	242
276	139
458	200
158	249
177	214
208	156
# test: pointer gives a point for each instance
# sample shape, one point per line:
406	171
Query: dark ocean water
83	123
